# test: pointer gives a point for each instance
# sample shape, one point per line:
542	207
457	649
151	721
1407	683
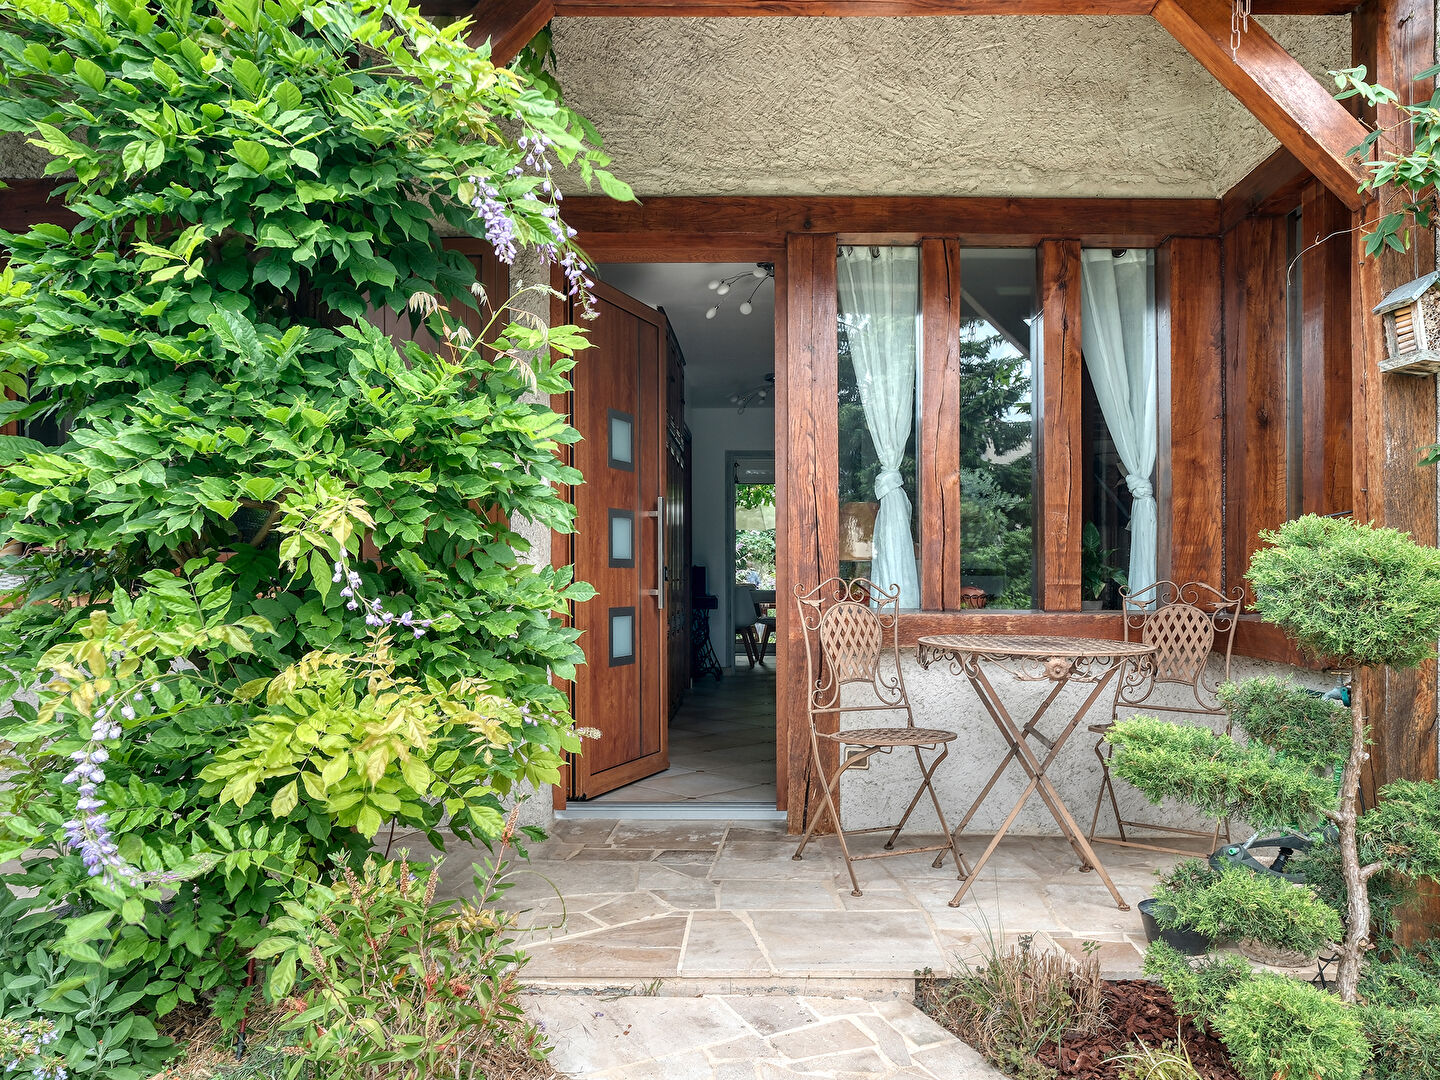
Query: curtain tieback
1139	486
887	482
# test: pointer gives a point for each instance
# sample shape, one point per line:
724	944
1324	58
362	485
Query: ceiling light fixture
754	395
721	287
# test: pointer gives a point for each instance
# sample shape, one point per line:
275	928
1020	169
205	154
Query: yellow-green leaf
286	799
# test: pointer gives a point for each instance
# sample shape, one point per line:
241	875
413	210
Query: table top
1040	648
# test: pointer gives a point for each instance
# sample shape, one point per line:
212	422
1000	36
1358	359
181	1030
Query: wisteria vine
375	614
495	215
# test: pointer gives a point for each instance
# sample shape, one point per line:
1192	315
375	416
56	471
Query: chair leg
827	789
1107	787
927	784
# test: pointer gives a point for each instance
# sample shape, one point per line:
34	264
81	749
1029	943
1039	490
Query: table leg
1036	770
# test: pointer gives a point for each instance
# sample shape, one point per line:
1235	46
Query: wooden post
1394	417
939	458
1191	410
1061	460
807	483
1255	406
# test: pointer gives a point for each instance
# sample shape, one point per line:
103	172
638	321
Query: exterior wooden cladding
1274	87
1255	402
1061	463
808	492
1188	281
1394	416
1325	465
939	462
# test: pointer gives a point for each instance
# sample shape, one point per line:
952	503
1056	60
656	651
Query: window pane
997	427
878	339
1120	412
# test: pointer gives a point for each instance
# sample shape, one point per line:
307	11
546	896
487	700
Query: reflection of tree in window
996	465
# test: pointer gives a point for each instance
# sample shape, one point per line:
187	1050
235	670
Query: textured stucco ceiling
956	105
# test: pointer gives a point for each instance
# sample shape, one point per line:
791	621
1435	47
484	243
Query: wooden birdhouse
1412	327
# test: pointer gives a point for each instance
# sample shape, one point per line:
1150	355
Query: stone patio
717	906
749	1038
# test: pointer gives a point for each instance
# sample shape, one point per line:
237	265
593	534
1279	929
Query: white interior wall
714	432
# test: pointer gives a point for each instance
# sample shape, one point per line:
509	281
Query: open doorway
721	719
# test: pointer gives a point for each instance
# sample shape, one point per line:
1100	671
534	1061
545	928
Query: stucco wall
961	105
943	700
1005	105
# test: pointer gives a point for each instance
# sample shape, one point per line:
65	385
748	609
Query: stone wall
1007	105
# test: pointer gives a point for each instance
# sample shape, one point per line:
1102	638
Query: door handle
660	576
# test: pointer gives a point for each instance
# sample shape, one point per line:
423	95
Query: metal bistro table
1060	660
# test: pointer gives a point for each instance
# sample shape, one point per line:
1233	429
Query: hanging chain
1239	22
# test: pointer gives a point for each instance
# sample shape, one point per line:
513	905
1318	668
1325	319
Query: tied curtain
879	293
1118	338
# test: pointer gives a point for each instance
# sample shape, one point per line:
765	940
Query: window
1120	412
997	428
878	343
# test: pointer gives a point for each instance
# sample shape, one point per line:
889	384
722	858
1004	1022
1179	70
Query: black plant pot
1188	942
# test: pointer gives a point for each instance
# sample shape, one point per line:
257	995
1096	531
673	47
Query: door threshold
674	811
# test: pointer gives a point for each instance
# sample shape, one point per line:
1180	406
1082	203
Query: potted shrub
1161	913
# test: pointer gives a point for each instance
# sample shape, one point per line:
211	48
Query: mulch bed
1135	1011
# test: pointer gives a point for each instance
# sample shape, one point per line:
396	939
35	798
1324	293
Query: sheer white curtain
1118	336
879	316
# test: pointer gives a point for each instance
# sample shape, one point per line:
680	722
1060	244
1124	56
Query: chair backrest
1186	623
852	638
744	612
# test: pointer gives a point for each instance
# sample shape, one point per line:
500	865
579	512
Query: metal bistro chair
852	647
1185	623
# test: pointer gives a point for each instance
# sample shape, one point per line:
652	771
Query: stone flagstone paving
773	1037
690	903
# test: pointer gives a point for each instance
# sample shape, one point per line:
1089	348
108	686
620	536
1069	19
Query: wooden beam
1275	88
1192	411
939	443
714	9
508	25
807	478
1272	187
740	228
1061	462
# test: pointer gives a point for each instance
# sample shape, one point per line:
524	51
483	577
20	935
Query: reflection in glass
997	427
622	440
1120	410
622	538
878	339
622	636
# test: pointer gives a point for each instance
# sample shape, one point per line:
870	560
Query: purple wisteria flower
495	216
375	614
556	249
88	833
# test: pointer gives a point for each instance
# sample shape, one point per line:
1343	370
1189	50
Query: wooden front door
618	406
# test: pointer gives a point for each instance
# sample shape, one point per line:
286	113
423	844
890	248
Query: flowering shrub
401	984
286	531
